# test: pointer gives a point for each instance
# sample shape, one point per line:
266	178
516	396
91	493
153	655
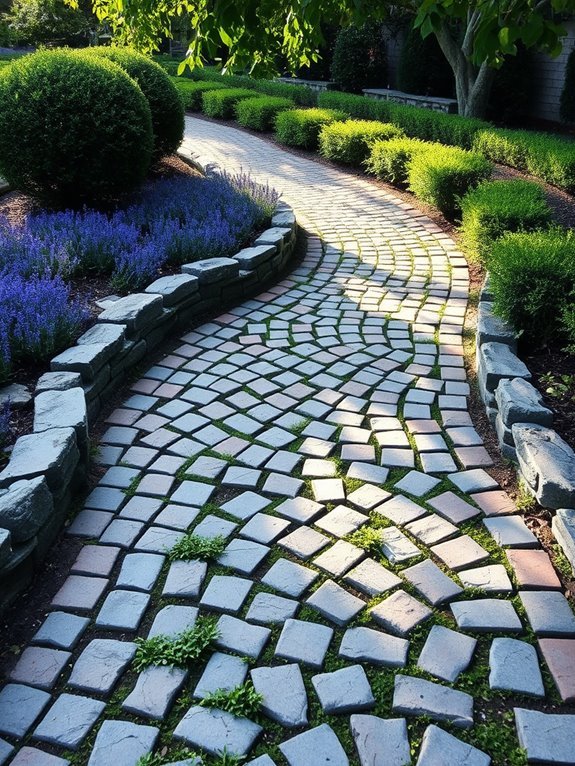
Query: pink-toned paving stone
559	654
533	569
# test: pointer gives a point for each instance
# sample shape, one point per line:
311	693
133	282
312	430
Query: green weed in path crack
178	651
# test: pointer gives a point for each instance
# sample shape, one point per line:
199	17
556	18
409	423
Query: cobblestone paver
373	572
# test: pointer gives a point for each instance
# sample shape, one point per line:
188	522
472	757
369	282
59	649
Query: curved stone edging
48	465
545	462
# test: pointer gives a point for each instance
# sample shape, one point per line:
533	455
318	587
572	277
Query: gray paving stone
511	532
366	472
433	584
122	743
81	593
192	493
400	613
39	666
335	603
245	556
396	547
368	496
446	653
460	553
185	578
432	529
268	608
223	671
61	630
99	667
31	756
173	619
341	521
214	730
514	667
400	510
289	577
305	642
284	694
415	696
177	517
373	646
340	558
140	508
20	706
476	480
241	637
344	690
416	483
122	610
492	579
155	691
300	509
225	593
263	760
214	526
69	721
140	571
379	741
486	615
547	738
6	751
158	540
549	613
264	529
246	505
371	577
438	748
304	542
122	532
321	741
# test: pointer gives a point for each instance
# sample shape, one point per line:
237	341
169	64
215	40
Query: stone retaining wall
436	103
545	462
48	466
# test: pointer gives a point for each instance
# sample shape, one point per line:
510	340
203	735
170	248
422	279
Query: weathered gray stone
371	577
136	311
446	653
397	547
486	615
25	508
63	409
497	362
379	741
305	642
173	620
39	667
61	630
244	556
16	395
400	613
564	531
415	696
283	692
520	402
5	544
69	721
155	691
226	594
140	571
368	645
511	532
174	288
492	329
212	270
223	671
241	637
438	748
335	603
289	577
433	584
344	690
31	756
514	667
319	746
122	610
548	612
20	706
547	463
547	738
101	664
284	218
250	257
214	730
339	558
185	578
122	743
52	454
263	760
274	236
268	608
58	381
87	359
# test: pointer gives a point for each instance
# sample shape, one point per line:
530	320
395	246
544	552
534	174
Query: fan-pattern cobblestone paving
299	426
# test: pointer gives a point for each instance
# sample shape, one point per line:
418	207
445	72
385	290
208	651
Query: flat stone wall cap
273	236
564	530
86	359
135	311
61	409
250	257
109	334
16	395
491	328
174	288
520	402
52	454
58	381
212	269
284	219
24	508
497	361
547	464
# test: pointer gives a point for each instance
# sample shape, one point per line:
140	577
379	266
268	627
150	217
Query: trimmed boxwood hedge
388	160
260	112
220	104
301	127
350	142
191	92
300	94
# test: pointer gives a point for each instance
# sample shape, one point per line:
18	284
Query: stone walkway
375	577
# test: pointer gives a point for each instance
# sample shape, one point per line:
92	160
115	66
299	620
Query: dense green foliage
300	94
350	142
567	104
260	112
191	92
497	207
192	546
422	67
165	104
533	282
243	701
301	127
388	160
72	128
359	58
178	651
221	104
48	22
442	176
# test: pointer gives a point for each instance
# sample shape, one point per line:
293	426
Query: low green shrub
533	283
160	92
359	107
497	207
299	94
73	128
191	92
389	159
444	175
260	112
350	142
501	146
221	104
301	127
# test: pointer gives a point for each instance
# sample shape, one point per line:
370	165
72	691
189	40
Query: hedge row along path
332	405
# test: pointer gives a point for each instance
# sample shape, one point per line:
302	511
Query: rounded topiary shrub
359	58
72	128
162	95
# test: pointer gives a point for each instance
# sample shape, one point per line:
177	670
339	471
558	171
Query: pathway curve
312	423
